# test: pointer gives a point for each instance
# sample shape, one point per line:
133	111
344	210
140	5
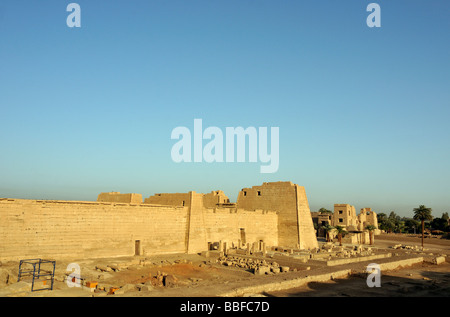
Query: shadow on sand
426	284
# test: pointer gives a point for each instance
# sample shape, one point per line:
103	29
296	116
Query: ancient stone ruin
276	214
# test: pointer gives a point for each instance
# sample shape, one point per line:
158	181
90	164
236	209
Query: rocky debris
257	266
275	269
435	260
144	287
196	279
162	279
330	250
128	287
102	287
262	270
114	267
103	268
170	281
406	247
327	246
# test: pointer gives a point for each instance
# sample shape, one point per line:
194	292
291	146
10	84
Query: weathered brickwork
32	228
121	225
295	226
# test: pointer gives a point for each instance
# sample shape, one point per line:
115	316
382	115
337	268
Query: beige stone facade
184	199
171	199
345	215
121	224
367	217
321	218
295	226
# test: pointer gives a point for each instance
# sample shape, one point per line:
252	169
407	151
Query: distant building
321	219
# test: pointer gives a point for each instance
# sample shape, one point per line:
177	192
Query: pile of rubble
111	267
406	247
162	279
257	266
329	251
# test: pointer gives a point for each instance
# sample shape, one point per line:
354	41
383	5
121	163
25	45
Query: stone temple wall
121	225
295	226
78	229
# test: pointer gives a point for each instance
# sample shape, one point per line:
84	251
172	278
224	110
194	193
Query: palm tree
328	228
422	213
371	228
324	210
340	230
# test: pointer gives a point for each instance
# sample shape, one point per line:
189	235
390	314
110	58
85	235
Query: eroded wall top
117	197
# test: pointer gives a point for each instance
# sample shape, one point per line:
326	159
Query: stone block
284	269
114	267
103	268
146	288
262	270
438	260
170	281
128	287
275	269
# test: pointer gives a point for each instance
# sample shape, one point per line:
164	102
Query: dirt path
423	280
198	276
393	238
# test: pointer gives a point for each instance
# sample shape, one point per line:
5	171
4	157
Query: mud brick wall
225	224
77	229
116	197
295	226
175	199
58	229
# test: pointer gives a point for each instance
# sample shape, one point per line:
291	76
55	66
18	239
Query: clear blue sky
363	113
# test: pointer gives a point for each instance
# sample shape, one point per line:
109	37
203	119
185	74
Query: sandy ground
423	280
390	239
198	276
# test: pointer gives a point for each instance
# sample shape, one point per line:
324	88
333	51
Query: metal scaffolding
37	272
